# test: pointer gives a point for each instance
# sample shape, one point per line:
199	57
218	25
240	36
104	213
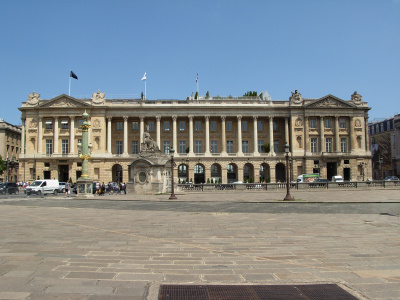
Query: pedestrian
124	187
67	187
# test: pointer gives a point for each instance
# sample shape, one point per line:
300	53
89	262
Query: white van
337	179
46	186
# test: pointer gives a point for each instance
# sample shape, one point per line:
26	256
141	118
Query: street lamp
290	169
380	164
172	197
288	197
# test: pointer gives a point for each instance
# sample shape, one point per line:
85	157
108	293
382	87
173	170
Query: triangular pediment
329	101
64	101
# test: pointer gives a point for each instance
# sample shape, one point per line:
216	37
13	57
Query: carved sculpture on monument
149	145
33	98
296	98
356	98
98	97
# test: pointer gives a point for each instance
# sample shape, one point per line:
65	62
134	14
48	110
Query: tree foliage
250	94
3	165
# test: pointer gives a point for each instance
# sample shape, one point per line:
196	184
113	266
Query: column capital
207	118
141	119
109	119
125	118
174	118
72	118
158	118
223	118
239	117
255	117
56	118
190	117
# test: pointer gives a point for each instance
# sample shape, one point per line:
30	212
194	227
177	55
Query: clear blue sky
317	47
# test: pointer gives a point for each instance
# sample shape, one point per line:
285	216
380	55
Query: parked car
61	187
9	188
337	179
391	178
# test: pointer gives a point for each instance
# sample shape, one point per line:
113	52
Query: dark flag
73	75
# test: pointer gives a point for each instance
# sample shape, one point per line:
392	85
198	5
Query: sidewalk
66	253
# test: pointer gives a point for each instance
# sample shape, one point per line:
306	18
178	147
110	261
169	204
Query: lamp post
84	153
290	169
288	197
172	197
7	163
380	164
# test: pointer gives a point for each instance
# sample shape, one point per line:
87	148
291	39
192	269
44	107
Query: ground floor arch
117	174
265	175
199	174
232	173
248	173
280	174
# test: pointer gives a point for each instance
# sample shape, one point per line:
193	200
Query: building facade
215	139
10	137
383	147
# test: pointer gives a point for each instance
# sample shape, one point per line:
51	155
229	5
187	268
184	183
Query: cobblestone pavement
90	253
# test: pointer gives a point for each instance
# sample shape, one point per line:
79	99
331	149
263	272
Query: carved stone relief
33	99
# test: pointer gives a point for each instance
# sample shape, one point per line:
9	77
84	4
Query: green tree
196	96
207	95
266	148
3	165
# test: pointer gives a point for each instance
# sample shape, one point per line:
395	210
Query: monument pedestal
84	187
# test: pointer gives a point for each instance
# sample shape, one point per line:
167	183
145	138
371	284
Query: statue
296	98
356	98
98	98
33	98
148	143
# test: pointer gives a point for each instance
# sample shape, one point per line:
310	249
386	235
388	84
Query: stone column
40	135
271	136
55	150
306	136
191	150
141	130
174	136
363	128
322	128
207	118
287	132
352	135
367	148
125	136
158	118
22	136
72	135
337	130
239	135
109	134
223	139
255	136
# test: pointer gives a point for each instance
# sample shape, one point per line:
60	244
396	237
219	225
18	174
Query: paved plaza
61	251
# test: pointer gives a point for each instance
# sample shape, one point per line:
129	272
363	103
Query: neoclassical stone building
10	137
215	139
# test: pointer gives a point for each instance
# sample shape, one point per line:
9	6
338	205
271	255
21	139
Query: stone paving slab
58	253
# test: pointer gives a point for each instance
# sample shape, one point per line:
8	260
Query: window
245	146
64	124
120	126
214	171
182	146
166	125
167	147
229	125
64	147
49	124
275	125
388	125
260	146
197	125
328	144
214	146
259	125
342	123
182	125
213	125
49	146
382	129
343	144
119	146
135	147
229	146
198	147
276	146
80	123
313	123
245	126
327	123
314	147
135	126
151	125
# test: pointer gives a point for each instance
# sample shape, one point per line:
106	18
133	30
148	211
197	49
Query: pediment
64	101
329	101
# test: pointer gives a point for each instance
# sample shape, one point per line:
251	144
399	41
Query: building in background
10	139
215	139
383	147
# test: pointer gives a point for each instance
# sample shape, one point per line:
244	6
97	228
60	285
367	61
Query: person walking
67	188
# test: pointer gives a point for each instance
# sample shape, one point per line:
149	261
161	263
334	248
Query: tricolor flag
144	76
73	75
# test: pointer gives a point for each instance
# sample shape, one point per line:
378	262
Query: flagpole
69	89
145	81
